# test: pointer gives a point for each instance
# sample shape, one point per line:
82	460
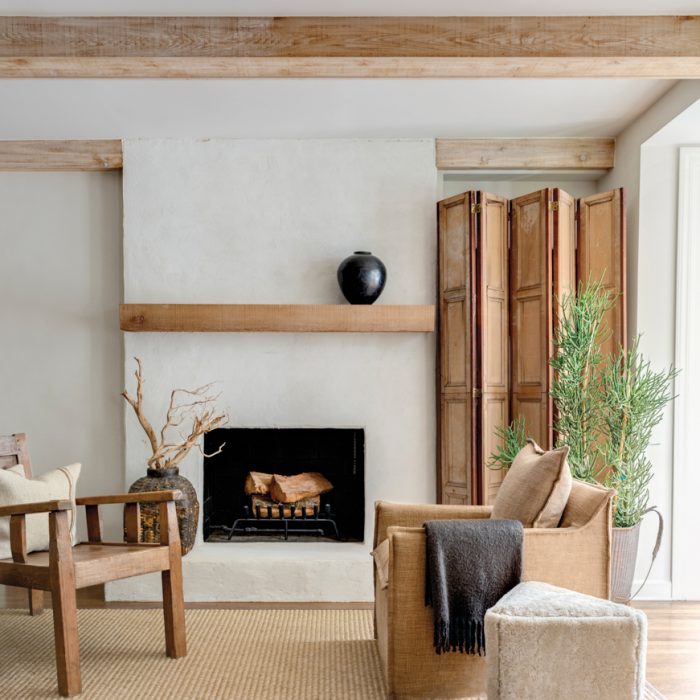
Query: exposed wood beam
525	154
60	155
451	154
662	68
470	47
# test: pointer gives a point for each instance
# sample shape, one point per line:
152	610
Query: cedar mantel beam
456	47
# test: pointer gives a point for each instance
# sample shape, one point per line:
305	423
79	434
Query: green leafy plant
576	386
512	439
634	398
605	407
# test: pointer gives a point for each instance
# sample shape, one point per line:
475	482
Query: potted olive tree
606	409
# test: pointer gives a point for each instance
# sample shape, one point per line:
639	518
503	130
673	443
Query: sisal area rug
233	655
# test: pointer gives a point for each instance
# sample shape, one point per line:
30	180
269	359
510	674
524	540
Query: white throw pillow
15	489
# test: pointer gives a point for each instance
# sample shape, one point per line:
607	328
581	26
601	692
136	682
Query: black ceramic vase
361	277
187	509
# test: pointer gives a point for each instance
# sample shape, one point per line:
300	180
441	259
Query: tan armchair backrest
585	502
387	514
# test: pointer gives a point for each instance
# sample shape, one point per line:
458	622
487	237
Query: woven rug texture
232	655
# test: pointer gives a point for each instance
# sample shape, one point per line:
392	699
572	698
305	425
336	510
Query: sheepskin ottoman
545	642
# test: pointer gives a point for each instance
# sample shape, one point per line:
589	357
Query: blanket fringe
463	635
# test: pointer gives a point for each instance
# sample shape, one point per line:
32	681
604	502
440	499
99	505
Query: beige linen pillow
15	488
536	488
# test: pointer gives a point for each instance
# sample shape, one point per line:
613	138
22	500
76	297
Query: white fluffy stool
546	643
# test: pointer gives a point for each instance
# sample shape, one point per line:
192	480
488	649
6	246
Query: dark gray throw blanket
470	565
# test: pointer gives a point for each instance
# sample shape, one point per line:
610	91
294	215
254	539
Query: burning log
293	489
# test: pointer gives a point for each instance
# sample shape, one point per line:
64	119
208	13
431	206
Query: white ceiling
326	108
348	7
288	108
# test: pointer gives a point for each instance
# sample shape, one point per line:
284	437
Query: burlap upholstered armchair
576	555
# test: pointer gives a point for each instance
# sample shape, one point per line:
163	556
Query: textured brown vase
187	509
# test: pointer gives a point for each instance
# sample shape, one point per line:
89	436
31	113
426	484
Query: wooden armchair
65	568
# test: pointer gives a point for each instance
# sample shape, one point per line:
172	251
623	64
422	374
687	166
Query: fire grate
263	521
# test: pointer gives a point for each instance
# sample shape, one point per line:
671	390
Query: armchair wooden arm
131	502
18	525
122	498
40	507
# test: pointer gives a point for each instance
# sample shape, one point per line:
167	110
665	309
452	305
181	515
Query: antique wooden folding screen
502	266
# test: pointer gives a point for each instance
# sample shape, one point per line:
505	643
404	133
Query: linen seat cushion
15	489
536	488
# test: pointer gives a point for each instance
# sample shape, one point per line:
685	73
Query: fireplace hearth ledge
276	572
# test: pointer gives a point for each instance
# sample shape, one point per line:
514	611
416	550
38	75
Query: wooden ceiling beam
428	47
56	156
525	154
450	154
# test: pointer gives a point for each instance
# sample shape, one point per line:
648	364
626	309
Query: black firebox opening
336	453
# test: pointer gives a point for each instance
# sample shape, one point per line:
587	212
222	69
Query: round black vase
361	277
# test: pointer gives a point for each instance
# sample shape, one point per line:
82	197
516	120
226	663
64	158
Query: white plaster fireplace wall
268	221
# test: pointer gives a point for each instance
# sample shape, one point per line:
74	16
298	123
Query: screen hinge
554	206
476	393
476	208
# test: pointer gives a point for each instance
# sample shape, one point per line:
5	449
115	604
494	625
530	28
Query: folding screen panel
456	445
602	255
492	337
564	241
504	269
531	241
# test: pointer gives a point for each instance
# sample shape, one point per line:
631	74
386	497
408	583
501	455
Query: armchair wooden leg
65	613
18	545
36	601
173	597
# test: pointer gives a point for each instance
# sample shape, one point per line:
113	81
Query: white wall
686	476
268	222
626	173
515	185
658	224
62	366
61	359
647	166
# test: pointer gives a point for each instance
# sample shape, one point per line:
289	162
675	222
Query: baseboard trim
653	590
243	605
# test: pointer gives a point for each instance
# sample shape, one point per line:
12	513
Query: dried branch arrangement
186	405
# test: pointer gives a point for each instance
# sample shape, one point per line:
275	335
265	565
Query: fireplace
284	484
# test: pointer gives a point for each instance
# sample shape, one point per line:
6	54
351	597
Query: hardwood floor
673	659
